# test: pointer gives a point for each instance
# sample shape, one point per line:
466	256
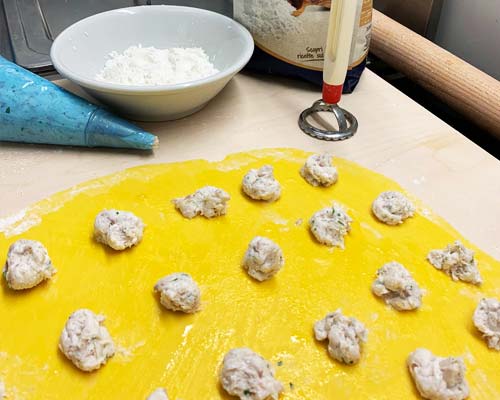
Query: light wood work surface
397	137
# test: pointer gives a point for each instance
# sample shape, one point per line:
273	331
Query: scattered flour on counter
149	66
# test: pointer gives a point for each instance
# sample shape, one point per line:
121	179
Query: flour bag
290	37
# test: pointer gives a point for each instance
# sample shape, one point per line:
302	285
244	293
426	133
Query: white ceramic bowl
81	50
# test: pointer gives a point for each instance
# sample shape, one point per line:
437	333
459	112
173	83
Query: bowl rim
138	89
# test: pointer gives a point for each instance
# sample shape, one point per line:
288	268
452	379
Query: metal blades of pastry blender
338	46
347	123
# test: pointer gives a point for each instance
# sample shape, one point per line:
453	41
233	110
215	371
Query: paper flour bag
290	37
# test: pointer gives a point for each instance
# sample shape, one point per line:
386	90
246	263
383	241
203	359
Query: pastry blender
337	52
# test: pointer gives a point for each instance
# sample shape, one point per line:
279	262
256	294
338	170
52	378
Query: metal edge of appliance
23	55
433	21
5	47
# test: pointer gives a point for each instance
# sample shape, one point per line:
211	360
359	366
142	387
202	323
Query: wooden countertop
397	137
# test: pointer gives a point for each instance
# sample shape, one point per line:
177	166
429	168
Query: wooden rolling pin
468	90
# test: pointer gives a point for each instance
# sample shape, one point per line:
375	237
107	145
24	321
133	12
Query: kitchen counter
397	138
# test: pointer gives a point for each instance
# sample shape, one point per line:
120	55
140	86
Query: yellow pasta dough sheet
183	353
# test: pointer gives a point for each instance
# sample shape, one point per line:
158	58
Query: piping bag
34	110
338	48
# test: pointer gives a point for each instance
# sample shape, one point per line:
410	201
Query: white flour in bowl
150	66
